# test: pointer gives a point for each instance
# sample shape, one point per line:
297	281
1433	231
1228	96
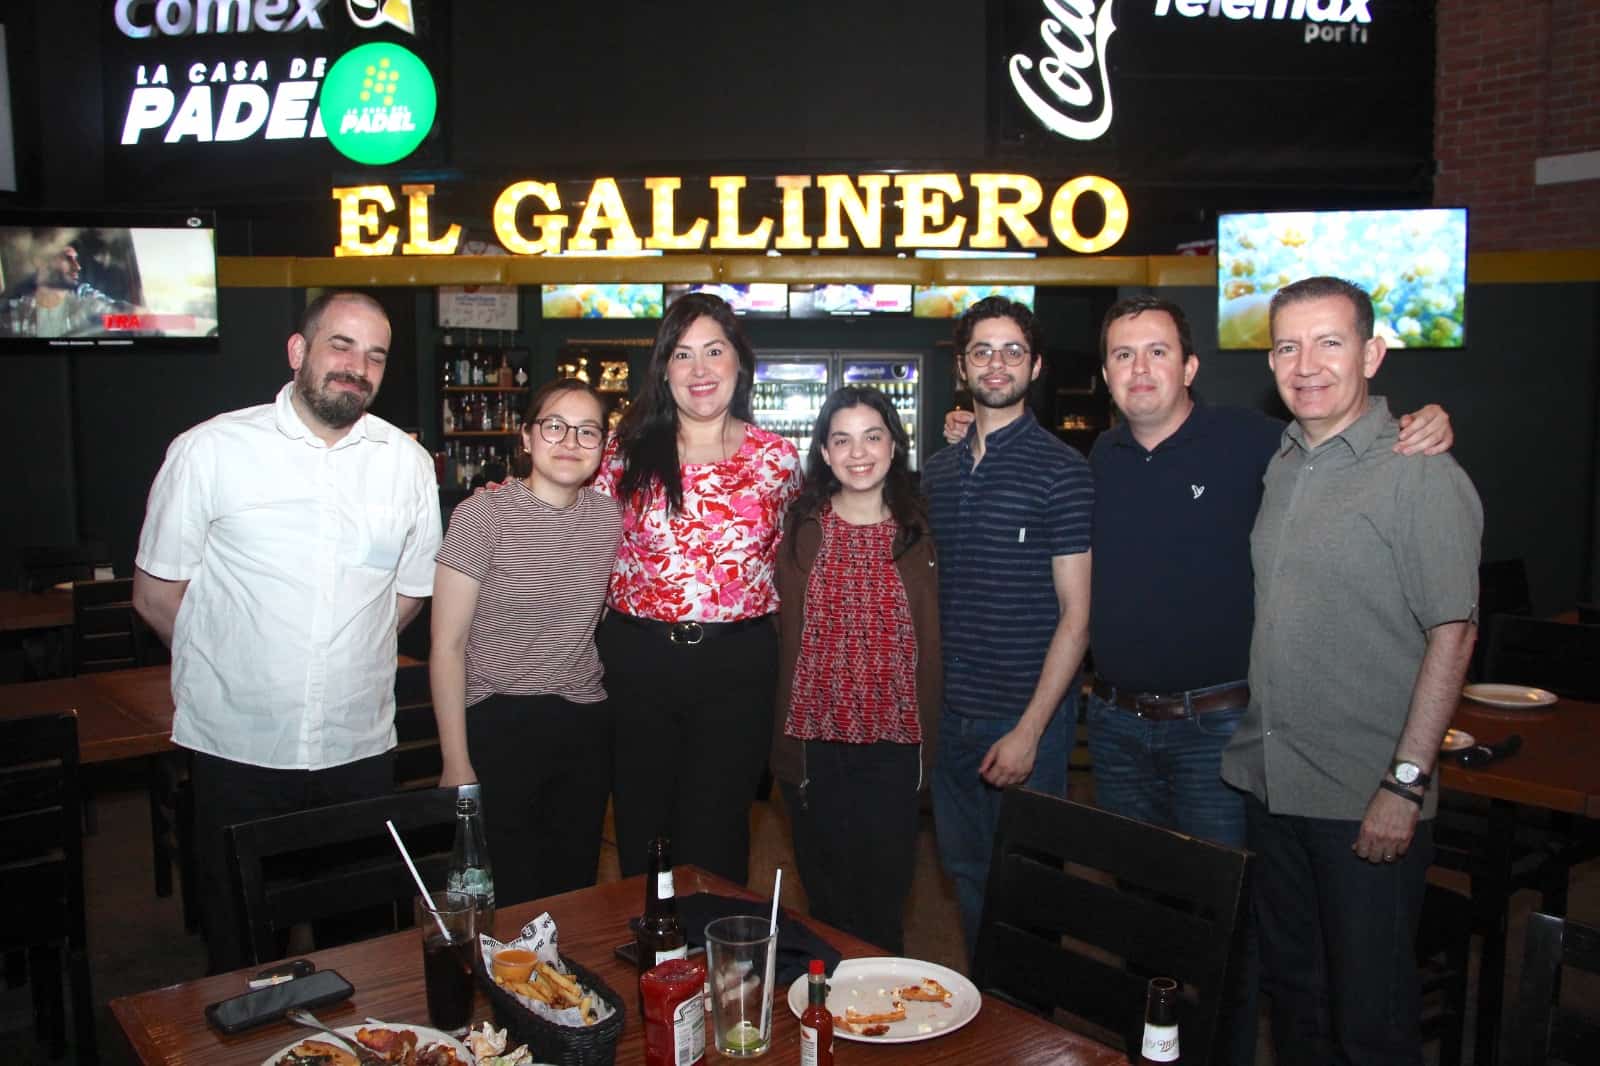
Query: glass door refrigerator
790	389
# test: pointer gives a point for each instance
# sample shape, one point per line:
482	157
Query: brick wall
1517	81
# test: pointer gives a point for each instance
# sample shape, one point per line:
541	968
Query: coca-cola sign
1068	86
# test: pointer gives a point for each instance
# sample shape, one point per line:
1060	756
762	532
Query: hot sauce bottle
816	1024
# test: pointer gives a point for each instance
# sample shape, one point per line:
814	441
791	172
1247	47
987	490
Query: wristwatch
1409	773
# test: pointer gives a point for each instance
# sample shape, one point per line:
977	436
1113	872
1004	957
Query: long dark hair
647	436
899	492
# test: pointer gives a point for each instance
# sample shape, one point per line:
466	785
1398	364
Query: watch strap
1400	790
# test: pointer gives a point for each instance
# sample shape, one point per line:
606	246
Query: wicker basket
563	1045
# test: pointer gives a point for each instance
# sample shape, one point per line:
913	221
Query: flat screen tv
600	301
836	301
1413	263
758	299
108	281
949	301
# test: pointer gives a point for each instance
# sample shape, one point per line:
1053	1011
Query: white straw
777	883
428	899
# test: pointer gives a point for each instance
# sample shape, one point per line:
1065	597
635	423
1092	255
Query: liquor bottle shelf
483	388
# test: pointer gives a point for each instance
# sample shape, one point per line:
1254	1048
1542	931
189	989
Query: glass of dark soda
449	939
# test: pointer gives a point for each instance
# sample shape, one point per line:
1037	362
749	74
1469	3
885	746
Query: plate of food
393	1042
1457	740
893	1001
1515	697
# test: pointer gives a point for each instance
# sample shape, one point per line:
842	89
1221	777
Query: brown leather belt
1171	706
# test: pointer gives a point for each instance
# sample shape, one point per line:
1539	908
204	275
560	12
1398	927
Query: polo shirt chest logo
1198	490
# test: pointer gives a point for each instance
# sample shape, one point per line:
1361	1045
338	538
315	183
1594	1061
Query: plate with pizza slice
893	1001
402	1045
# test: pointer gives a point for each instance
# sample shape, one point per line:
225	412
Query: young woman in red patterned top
689	646
859	675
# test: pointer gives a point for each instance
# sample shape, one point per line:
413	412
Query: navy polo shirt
998	527
1173	599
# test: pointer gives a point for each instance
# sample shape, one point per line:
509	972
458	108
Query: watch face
1407	772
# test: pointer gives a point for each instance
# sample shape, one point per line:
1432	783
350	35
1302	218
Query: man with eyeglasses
1010	508
284	548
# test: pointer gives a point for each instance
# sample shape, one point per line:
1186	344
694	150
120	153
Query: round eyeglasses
983	354
554	430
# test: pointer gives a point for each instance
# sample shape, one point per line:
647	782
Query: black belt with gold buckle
689	633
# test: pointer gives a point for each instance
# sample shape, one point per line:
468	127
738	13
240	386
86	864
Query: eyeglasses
983	354
554	431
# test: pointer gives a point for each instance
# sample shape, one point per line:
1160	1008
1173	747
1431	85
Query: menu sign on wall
1202	92
221	96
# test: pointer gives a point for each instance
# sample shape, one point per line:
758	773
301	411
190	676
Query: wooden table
1557	769
50	609
122	714
167	1025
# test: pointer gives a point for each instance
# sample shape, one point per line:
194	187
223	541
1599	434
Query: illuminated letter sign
1076	40
378	103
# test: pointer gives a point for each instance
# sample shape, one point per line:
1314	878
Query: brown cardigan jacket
919	573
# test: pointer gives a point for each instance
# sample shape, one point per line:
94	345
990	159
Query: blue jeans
1338	938
966	810
1167	773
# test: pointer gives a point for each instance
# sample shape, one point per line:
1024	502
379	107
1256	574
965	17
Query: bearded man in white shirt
284	548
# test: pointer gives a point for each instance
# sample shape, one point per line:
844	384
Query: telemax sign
977	211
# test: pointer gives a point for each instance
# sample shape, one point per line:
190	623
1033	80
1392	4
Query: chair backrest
1071	885
103	626
1542	1029
1560	656
50	564
334	860
41	842
1502	589
417	759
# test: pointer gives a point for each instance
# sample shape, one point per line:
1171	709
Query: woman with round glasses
689	646
517	683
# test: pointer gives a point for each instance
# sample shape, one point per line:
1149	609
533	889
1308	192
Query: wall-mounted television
758	299
601	301
108	281
949	301
1413	263
846	301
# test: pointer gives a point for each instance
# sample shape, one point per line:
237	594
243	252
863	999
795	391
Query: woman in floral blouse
689	646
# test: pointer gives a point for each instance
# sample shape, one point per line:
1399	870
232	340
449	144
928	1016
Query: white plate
425	1037
1513	696
868	985
1457	740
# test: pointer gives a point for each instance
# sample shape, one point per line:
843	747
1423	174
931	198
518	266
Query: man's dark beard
1007	398
335	409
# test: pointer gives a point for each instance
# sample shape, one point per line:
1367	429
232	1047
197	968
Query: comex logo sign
1063	101
185	18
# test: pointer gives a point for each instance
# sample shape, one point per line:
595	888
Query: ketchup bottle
816	1024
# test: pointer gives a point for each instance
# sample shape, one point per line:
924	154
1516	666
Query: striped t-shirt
542	575
998	527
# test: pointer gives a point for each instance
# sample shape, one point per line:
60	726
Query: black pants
226	793
855	836
544	765
1338	938
693	726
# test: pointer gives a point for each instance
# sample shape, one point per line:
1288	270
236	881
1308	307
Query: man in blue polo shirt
1010	507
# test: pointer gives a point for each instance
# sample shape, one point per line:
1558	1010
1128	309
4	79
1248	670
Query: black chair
1071	886
417	761
336	860
1559	656
44	566
1543	1030
41	872
103	626
1502	589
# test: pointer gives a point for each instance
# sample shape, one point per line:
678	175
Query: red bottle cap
816	966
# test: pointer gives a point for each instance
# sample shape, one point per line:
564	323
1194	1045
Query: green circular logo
377	103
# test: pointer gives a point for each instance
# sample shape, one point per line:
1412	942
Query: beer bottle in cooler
660	931
1160	1042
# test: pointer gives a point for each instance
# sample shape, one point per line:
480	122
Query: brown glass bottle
660	934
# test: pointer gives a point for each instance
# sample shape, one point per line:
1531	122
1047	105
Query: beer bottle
660	932
816	1024
1160	1022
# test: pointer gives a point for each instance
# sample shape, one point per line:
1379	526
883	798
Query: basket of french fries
563	1012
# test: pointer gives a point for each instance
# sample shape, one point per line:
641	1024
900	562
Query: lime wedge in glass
742	1037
